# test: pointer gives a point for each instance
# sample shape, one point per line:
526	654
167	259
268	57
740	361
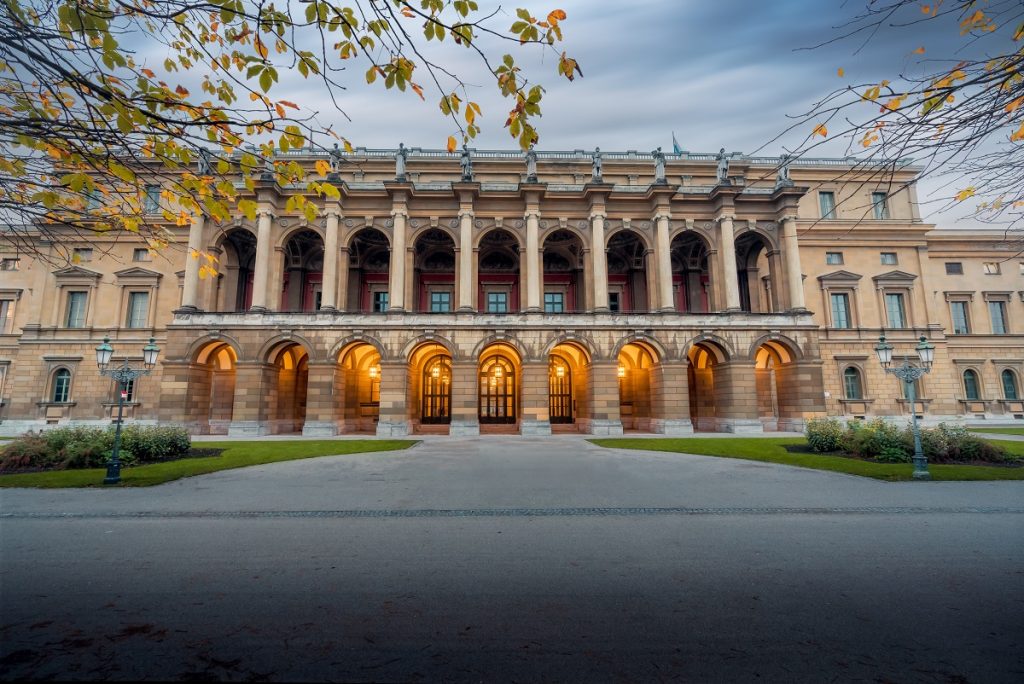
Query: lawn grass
1000	430
773	450
235	455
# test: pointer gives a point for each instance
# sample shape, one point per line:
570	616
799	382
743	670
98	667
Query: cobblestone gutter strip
515	513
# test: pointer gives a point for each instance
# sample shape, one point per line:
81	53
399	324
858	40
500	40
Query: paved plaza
505	558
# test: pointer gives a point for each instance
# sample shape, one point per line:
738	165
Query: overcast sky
720	73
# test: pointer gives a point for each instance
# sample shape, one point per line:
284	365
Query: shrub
153	444
90	447
823	434
871	439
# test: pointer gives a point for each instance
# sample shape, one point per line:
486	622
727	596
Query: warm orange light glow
435	372
559	371
622	371
497	371
373	372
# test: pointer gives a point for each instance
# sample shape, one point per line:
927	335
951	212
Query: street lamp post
909	375
123	374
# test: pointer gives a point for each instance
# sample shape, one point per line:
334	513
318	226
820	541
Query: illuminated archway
211	390
359	367
637	362
287	396
431	380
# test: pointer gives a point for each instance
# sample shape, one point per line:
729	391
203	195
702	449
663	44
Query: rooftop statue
783	179
596	172
722	173
659	166
466	162
531	165
400	158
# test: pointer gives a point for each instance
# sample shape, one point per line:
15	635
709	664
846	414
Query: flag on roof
675	144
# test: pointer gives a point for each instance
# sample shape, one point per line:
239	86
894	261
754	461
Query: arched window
971	386
61	385
436	402
852	387
1010	390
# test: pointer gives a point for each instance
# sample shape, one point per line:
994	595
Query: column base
328	309
600	426
187	308
464	428
672	426
465	309
535	428
393	428
741	426
258	309
319	428
247	428
799	310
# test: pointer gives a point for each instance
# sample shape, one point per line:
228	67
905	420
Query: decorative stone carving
349	223
466	164
659	167
596	166
400	158
531	165
454	223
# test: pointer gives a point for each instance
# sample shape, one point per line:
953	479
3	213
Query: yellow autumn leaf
840	72
965	193
451	143
1012	106
919	51
322	167
820	130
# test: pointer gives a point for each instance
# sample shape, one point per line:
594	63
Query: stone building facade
490	292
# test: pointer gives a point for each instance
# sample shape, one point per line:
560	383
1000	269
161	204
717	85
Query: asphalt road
516	560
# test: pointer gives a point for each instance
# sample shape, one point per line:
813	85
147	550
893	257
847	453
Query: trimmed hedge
90	447
887	442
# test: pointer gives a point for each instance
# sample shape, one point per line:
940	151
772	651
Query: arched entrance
360	388
703	358
563	273
773	365
498	273
756	276
629	273
636	365
287	396
561	408
691	279
237	261
434	276
303	274
431	379
369	254
498	396
211	392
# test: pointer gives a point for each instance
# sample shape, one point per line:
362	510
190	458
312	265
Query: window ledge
56	403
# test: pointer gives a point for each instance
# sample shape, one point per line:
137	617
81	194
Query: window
10	264
852	388
151	202
497	302
841	311
140	254
879	206
440	302
75	316
958	312
971	387
61	385
954	268
997	312
128	388
81	254
6	309
834	258
380	301
554	302
827	204
614	302
1010	390
889	259
138	310
895	310
990	267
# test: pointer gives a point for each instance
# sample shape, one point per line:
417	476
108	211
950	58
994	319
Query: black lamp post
122	374
909	375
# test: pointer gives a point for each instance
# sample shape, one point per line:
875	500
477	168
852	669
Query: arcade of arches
436	387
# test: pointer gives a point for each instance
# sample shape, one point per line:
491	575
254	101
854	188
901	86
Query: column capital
466	213
531	213
667	215
598	215
333	212
786	217
725	217
399	212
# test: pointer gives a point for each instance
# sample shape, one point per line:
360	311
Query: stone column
329	296
321	417
342	300
465	399
670	396
536	420
534	269
396	283
467	289
664	249
599	252
604	398
262	269
727	250
394	388
791	255
190	293
735	385
253	396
